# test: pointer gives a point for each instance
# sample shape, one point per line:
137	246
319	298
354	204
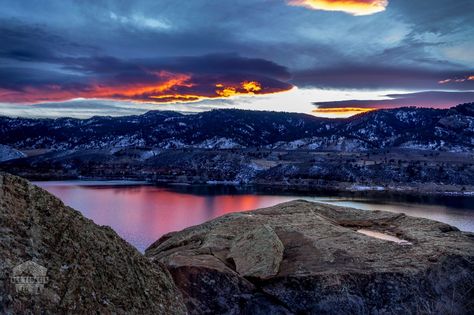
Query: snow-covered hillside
421	128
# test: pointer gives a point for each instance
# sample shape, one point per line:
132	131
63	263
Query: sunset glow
354	7
342	112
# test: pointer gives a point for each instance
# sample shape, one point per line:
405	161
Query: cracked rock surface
90	269
231	265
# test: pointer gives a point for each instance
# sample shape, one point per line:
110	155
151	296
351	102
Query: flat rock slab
327	267
82	268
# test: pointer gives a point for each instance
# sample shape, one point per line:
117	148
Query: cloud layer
44	67
161	80
221	52
441	99
380	76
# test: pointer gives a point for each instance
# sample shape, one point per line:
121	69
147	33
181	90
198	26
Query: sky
330	58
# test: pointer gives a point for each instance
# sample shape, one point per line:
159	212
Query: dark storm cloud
361	76
34	43
17	78
415	51
24	43
437	16
441	99
233	63
209	64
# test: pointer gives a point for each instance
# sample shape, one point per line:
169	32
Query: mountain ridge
441	129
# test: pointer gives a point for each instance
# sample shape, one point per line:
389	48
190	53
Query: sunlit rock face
77	267
406	265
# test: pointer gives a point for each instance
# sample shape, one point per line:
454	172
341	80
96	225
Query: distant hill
420	128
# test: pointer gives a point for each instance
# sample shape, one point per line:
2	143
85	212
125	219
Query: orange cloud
246	87
252	86
444	81
457	80
340	112
354	7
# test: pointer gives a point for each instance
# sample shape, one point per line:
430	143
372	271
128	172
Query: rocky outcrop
55	261
335	261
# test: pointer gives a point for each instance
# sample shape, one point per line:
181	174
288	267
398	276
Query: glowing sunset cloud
166	81
354	7
245	87
251	86
166	87
341	112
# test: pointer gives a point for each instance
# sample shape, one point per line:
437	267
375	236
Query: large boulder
55	261
335	261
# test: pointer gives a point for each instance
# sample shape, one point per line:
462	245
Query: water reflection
143	213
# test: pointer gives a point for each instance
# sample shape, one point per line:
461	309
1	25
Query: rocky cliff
88	269
308	258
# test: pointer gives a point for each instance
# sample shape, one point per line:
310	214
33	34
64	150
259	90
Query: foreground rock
78	267
328	267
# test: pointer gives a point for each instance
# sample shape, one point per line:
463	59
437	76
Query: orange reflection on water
142	214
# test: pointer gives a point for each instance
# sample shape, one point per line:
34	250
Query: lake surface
142	213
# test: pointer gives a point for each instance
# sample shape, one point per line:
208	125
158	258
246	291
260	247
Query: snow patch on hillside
8	153
219	143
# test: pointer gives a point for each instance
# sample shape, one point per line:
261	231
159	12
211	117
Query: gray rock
257	253
83	268
328	267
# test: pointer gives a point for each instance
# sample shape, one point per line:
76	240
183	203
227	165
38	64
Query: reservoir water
142	213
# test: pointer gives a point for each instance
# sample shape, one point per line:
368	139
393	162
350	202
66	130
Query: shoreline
417	189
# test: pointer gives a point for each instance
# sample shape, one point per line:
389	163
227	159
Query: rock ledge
231	265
